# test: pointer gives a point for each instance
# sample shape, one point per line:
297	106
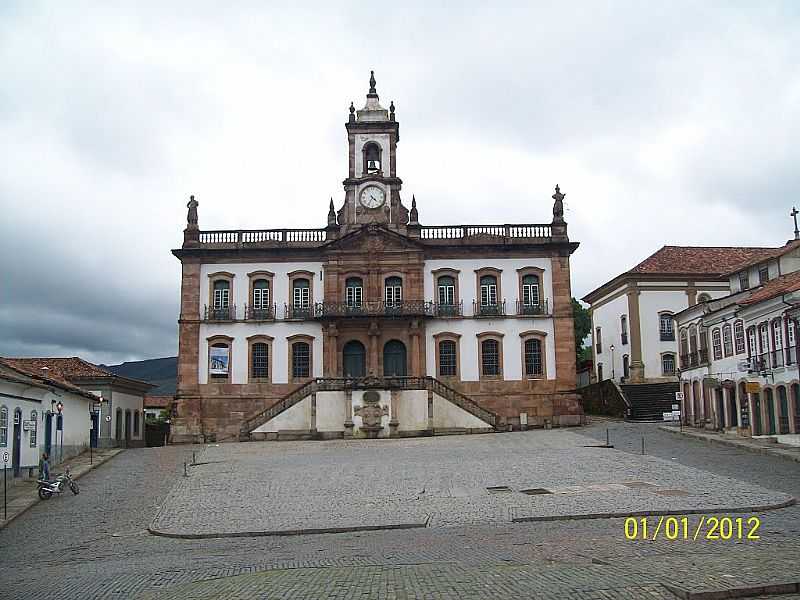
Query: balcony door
394	359
354	359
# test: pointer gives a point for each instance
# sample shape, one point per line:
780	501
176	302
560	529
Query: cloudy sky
664	122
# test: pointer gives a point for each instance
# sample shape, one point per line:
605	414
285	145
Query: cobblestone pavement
95	545
442	481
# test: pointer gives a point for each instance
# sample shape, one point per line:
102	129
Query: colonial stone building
374	325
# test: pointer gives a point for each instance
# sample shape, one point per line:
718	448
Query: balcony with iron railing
447	310
260	313
498	309
667	336
529	309
301	312
219	313
703	355
379	308
791	356
777	358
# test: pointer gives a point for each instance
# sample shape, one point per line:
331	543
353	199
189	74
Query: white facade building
739	369
30	421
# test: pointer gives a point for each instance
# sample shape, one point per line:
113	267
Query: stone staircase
340	384
648	401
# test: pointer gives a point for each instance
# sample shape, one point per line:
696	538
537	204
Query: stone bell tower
372	188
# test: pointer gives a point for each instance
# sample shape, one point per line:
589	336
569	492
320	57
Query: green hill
162	372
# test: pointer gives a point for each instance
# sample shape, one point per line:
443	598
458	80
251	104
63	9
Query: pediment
373	237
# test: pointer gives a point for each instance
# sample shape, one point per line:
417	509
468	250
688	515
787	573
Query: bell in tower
372	158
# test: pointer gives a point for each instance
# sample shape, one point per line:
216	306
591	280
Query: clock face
372	197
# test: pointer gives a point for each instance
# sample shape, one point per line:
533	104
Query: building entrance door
48	432
770	412
354	359
394	359
17	442
756	414
95	428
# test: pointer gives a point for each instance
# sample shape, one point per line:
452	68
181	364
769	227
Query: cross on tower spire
794	214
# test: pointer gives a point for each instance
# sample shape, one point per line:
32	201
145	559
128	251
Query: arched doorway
783	401
756	413
696	399
770	402
744	406
733	418
394	359
354	361
796	402
118	426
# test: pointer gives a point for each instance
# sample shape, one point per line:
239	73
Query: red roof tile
699	260
776	287
48	377
65	368
775	253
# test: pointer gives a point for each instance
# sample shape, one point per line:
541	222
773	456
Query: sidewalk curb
284	532
740	592
709	439
35	500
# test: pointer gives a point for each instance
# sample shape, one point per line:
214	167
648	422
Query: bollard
194	459
185	470
642	445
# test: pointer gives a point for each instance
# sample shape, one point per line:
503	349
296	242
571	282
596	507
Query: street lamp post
612	361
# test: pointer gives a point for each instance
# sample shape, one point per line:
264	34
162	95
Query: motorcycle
56	486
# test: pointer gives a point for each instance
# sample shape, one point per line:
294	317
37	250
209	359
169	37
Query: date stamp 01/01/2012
702	527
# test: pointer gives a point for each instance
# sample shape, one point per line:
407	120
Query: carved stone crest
371	413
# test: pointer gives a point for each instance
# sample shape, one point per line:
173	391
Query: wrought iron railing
528	309
219	313
667	336
498	309
703	355
485	232
298	313
372	309
791	356
260	313
776	358
447	310
328	384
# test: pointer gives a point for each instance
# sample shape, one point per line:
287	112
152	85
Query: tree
583	327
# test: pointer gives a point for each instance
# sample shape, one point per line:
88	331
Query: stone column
415	358
394	423
374	363
636	366
563	325
186	424
348	413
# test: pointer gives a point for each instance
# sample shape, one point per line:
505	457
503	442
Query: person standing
44	467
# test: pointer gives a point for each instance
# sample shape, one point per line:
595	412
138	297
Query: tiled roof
775	253
49	377
65	368
699	260
776	287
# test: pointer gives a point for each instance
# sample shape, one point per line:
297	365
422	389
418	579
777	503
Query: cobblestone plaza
96	545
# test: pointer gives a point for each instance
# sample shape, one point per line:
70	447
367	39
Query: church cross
794	214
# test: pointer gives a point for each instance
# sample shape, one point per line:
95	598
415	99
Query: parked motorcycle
57	485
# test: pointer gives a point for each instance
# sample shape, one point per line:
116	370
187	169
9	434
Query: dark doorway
394	359
95	428
48	432
768	398
127	428
118	426
17	441
756	414
354	363
720	409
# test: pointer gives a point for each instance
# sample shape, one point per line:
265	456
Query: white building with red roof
738	354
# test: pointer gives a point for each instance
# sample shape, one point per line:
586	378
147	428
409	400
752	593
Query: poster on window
218	361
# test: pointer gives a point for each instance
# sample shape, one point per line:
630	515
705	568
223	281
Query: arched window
222	294
692	339
34	426
490	358
727	340
684	343
354	292
665	327
668	364
136	422
598	340
301	293
764	334
752	347
600	376
716	343
777	334
261	299
623	330
530	290
372	158
301	360
219	359
488	290
3	426
394	291
446	289
534	361
259	360
738	337
626	366
448	359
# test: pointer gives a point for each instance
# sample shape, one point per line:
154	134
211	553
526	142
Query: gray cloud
663	123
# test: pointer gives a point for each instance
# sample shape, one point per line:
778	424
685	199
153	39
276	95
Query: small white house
39	412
